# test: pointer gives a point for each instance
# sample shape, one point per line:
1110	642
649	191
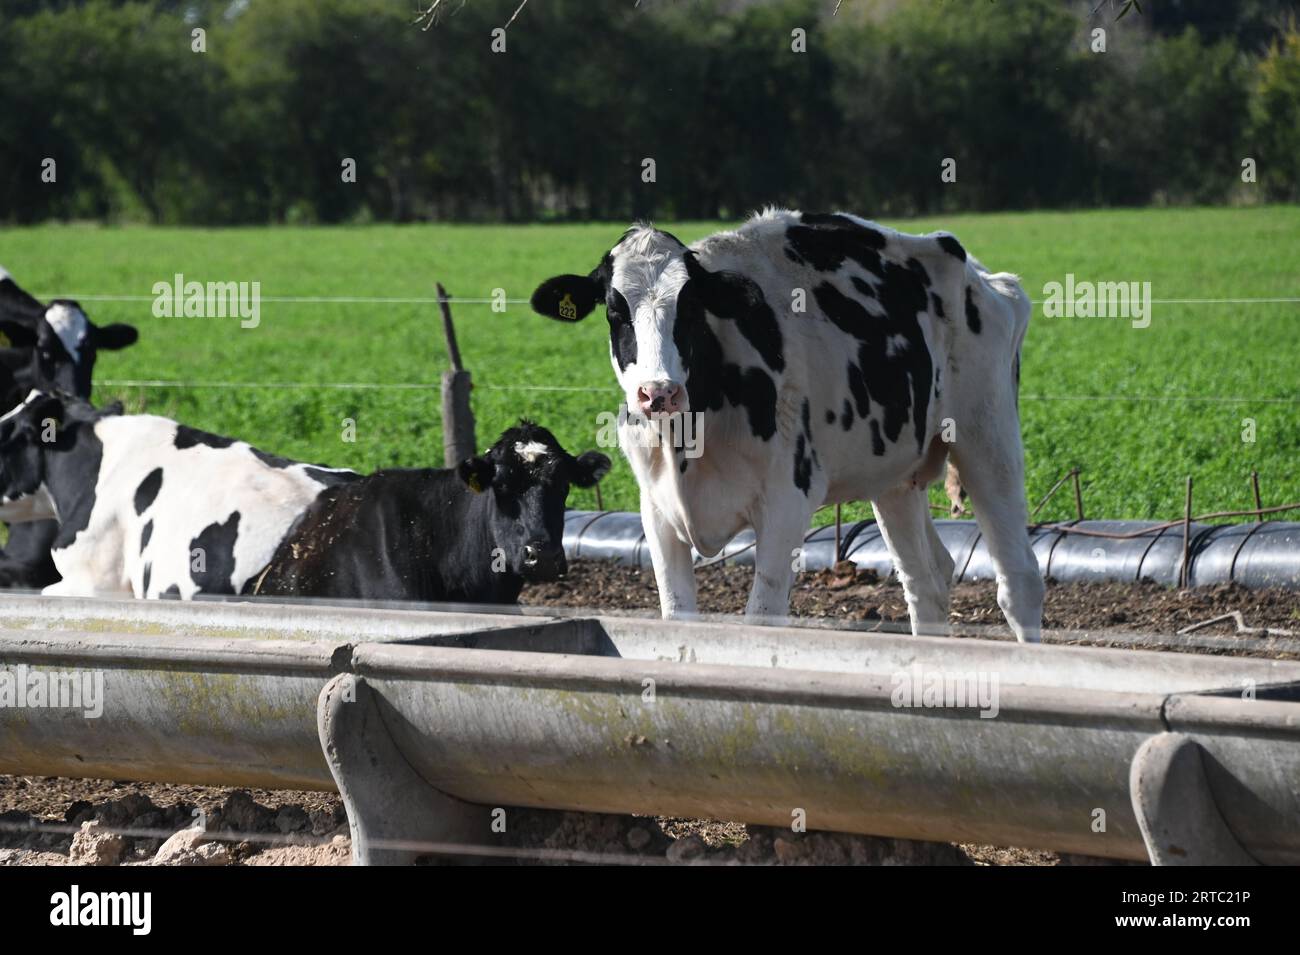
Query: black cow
47	347
469	535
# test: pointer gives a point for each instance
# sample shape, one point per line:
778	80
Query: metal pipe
1255	555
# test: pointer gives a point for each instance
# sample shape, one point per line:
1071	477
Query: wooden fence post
458	441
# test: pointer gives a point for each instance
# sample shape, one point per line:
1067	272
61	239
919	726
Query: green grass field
1137	409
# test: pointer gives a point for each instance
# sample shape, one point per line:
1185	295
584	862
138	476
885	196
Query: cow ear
40	410
16	334
15	301
569	298
589	467
115	336
477	473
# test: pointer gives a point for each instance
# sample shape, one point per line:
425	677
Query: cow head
655	292
41	426
527	475
49	347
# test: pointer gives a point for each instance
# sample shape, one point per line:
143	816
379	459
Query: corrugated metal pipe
1263	554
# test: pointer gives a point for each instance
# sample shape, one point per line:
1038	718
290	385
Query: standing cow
832	359
44	346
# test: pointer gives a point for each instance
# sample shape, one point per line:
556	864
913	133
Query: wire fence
420	300
594	389
609	389
433	387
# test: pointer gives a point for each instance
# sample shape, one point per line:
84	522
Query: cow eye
616	307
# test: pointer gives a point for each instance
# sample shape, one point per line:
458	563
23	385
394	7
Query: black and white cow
153	508
828	359
469	535
49	347
145	505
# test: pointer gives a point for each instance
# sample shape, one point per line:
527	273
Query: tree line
210	112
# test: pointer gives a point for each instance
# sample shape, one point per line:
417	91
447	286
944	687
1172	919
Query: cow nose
655	397
543	562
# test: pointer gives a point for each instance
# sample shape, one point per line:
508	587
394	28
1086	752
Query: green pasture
1138	409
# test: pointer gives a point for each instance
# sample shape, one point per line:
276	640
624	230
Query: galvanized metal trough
429	720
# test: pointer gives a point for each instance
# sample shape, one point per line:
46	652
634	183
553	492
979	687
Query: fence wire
420	300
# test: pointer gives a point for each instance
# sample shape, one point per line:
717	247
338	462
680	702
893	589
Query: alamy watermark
1073	299
933	689
75	907
179	298
25	688
680	429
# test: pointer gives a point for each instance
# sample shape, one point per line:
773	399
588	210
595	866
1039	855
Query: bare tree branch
515	14
431	15
1128	5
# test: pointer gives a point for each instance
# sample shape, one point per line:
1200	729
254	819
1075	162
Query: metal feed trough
426	721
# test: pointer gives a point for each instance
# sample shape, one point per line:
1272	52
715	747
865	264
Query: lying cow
469	535
48	347
157	509
832	359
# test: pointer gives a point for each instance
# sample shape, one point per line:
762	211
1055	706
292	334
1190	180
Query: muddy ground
854	595
62	821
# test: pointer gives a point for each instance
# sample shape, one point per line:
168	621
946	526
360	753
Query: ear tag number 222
568	311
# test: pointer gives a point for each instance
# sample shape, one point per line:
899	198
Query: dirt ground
854	595
48	821
71	821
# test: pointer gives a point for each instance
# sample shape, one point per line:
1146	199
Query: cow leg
922	562
942	561
671	558
779	534
992	468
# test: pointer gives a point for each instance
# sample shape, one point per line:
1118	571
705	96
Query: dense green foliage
1138	408
256	128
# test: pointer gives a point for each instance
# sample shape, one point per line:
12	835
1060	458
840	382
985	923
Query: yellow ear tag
474	484
4	341
568	310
